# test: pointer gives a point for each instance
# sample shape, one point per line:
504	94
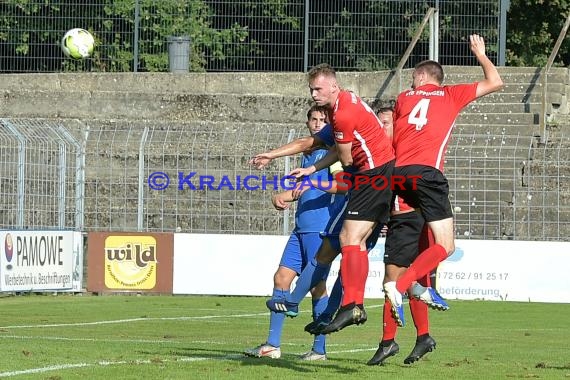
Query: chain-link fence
191	177
195	177
510	187
262	35
41	175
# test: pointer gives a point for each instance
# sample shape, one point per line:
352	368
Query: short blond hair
322	69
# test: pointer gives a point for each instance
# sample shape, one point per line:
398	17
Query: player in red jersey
424	118
362	144
405	228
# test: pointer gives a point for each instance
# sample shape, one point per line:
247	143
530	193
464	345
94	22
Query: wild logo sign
130	262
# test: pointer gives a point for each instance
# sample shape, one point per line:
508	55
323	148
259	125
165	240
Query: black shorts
424	187
370	194
402	240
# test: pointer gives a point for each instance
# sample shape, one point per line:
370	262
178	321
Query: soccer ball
77	43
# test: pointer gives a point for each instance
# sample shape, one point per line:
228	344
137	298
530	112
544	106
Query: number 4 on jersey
418	115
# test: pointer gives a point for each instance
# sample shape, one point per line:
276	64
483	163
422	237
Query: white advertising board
502	270
479	269
225	264
40	260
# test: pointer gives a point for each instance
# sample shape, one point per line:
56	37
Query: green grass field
194	337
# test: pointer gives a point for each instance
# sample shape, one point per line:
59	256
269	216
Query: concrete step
509	74
472	145
479	223
503	107
507	181
515	97
501	221
509	79
225	107
480	198
490	118
142	106
188	210
552	87
526	130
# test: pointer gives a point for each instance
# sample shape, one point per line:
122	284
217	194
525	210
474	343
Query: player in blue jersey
315	218
317	269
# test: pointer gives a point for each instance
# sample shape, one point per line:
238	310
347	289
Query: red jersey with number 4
423	121
354	121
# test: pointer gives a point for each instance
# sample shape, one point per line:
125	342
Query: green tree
33	30
533	27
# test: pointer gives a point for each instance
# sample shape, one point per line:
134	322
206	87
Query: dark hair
321	69
432	68
317	108
384	109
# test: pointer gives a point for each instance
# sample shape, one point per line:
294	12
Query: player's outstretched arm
300	145
330	158
492	81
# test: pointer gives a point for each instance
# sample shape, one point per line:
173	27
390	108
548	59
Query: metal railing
544	78
259	35
497	190
432	16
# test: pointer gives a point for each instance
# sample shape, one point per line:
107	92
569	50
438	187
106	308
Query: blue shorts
300	249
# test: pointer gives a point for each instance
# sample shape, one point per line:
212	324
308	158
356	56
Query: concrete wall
115	104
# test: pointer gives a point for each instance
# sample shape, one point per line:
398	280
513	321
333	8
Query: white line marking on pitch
144	341
131	320
107	363
81	365
145	319
122	362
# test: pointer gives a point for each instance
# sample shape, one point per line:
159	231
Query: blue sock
312	274
335	298
318	307
276	320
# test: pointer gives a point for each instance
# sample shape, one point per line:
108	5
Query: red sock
350	273
363	276
422	265
390	328
420	315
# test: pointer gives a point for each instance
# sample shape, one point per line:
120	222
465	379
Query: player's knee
281	280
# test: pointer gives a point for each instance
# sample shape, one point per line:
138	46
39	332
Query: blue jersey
317	210
326	134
